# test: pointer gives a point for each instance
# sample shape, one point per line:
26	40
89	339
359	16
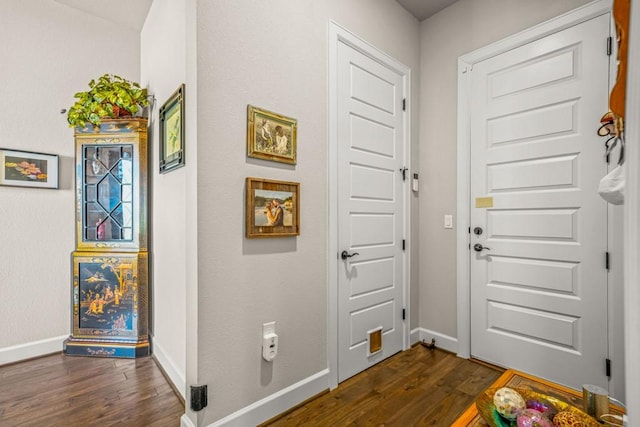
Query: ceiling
422	9
132	13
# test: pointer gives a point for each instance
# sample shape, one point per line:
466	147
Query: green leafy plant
110	96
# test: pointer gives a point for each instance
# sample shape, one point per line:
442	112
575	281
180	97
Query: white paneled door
538	227
371	210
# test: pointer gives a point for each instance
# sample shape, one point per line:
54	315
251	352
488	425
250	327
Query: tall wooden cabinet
110	263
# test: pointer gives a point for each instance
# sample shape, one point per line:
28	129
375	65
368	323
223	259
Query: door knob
345	254
479	248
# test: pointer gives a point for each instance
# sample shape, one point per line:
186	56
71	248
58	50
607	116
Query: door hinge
198	397
404	314
607	367
606	260
404	244
404	104
469	230
609	45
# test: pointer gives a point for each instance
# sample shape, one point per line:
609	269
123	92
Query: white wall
162	70
49	52
459	29
272	55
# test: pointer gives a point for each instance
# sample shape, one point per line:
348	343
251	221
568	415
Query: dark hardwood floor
68	391
417	387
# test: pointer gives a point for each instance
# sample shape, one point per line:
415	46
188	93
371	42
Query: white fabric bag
612	186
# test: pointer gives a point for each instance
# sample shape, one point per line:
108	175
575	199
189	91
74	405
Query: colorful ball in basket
533	418
508	403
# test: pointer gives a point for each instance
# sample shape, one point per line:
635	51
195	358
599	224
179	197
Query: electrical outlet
269	341
269	347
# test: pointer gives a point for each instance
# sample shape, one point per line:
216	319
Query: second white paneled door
538	276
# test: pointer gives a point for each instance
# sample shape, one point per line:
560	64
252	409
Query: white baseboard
444	342
169	367
277	403
30	350
414	336
186	422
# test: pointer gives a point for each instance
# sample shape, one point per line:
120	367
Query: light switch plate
448	221
268	328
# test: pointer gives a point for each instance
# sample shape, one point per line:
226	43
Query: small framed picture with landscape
28	169
272	208
172	132
271	136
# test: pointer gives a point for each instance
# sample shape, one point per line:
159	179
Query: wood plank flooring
68	391
418	387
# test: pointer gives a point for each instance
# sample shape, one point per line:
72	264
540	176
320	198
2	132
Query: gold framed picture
272	208
271	136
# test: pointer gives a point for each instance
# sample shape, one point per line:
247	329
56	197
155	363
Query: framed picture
271	136
172	132
28	169
273	208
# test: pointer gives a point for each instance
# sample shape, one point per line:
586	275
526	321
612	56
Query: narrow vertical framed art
172	132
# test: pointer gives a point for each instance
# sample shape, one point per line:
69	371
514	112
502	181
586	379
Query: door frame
339	34
465	64
632	218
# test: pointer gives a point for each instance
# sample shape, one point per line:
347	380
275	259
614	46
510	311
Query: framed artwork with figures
272	208
271	136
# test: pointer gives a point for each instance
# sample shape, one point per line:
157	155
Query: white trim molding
338	34
170	368
276	403
186	422
465	64
32	349
414	336
632	223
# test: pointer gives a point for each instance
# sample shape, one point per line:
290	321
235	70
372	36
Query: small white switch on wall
448	221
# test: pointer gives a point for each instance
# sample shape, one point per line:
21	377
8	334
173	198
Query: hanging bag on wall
612	186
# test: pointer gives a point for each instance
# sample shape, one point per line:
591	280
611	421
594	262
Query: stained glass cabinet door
111	186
